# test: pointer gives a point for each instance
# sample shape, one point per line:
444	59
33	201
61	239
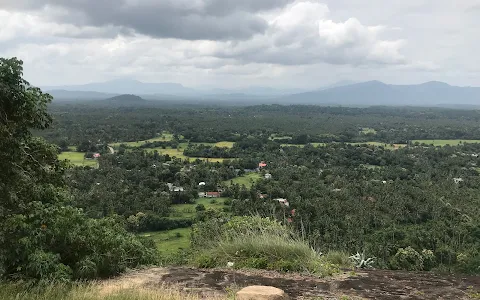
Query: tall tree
41	236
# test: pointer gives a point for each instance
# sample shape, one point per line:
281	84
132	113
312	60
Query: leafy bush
407	259
200	207
70	246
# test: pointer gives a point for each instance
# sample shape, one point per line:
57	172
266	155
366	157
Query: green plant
361	261
407	259
339	258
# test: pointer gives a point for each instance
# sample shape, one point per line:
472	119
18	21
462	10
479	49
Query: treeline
75	124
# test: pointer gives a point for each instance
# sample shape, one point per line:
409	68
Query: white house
457	180
268	176
282	201
202	184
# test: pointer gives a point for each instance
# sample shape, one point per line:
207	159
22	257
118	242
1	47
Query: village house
262	164
268	176
282	201
212	195
173	188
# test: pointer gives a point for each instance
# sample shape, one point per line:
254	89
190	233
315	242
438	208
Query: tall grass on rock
255	242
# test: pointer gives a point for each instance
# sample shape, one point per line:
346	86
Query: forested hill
125	99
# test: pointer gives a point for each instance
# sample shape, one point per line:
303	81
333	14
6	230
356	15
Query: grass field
248	180
188	210
178	153
171	241
77	158
446	142
165	137
225	144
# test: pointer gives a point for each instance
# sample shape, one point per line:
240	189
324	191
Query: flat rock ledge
258	292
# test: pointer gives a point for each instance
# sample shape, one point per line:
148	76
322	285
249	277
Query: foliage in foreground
41	236
258	243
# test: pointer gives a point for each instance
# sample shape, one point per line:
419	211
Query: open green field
446	142
188	210
165	137
178	153
224	144
248	180
77	158
171	241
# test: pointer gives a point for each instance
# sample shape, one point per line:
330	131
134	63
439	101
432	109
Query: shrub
70	246
339	258
200	207
407	259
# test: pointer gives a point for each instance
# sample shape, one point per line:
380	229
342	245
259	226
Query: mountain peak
126	98
436	83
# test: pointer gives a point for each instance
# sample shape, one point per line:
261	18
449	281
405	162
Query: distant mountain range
378	93
345	93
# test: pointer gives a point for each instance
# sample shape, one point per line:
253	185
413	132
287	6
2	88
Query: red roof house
213	195
96	155
262	164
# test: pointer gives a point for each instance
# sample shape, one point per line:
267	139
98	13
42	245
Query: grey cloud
190	20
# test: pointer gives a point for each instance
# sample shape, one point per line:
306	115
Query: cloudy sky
234	43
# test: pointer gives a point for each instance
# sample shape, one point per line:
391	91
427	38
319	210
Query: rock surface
259	292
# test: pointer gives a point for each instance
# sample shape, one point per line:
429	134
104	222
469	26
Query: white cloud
287	41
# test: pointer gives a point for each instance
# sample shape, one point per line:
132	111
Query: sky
240	43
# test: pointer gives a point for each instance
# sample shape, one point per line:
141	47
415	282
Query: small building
212	195
268	176
173	188
96	155
457	180
202	194
262	164
202	184
282	201
262	196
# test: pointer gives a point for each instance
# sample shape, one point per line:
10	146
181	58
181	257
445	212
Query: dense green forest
75	124
400	185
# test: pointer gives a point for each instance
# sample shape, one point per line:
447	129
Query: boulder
257	292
